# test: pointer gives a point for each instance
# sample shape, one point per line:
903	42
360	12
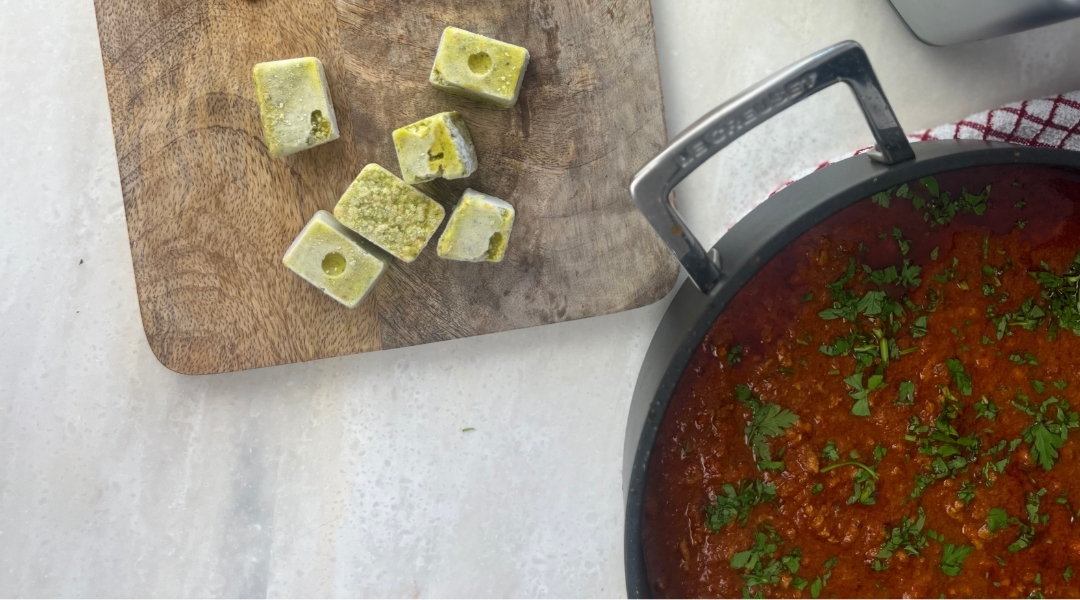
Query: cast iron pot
716	275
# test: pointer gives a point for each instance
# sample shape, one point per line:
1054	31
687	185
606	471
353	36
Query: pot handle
652	186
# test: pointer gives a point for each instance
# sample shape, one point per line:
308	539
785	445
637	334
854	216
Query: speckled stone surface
352	476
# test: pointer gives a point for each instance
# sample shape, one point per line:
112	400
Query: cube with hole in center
438	146
336	260
478	230
471	65
295	106
389	213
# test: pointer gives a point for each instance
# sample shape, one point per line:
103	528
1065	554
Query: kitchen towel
1047	122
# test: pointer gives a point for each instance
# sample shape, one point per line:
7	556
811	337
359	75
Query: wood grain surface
210	213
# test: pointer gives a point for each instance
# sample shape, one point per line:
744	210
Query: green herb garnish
1062	293
865	478
768	421
819	582
861	393
918	327
966	493
959	376
905	245
736	503
997	519
1024	358
1048	434
986	409
1024	539
953	557
829	452
906	536
1034	501
907	394
763	564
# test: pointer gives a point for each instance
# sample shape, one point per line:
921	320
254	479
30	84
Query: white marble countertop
352	476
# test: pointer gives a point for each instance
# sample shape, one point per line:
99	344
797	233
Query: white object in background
941	23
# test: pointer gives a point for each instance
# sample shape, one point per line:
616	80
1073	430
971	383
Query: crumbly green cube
335	260
294	102
389	213
438	146
474	66
478	230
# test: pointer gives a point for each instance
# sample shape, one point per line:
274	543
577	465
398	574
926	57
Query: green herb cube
294	102
474	66
478	230
335	260
389	213
438	146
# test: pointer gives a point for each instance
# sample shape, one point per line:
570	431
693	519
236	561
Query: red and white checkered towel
1048	122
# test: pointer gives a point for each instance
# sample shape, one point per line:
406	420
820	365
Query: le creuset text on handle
652	186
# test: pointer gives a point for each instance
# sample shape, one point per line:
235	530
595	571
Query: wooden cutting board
210	214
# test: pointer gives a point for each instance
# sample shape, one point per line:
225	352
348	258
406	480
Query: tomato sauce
992	527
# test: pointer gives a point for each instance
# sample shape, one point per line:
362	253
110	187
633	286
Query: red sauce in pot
847	430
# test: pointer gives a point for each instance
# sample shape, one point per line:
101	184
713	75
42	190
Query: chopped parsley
1034	501
820	581
829	452
959	376
1028	316
907	394
941	207
905	245
953	557
986	409
1024	358
906	536
966	493
918	327
768	421
1063	500
861	394
1067	575
996	520
763	564
1062	293
951	452
931	185
865	478
1024	539
734	355
736	504
1047	434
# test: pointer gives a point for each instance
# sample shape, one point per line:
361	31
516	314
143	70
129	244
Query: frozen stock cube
294	102
474	66
438	146
478	230
335	260
389	213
